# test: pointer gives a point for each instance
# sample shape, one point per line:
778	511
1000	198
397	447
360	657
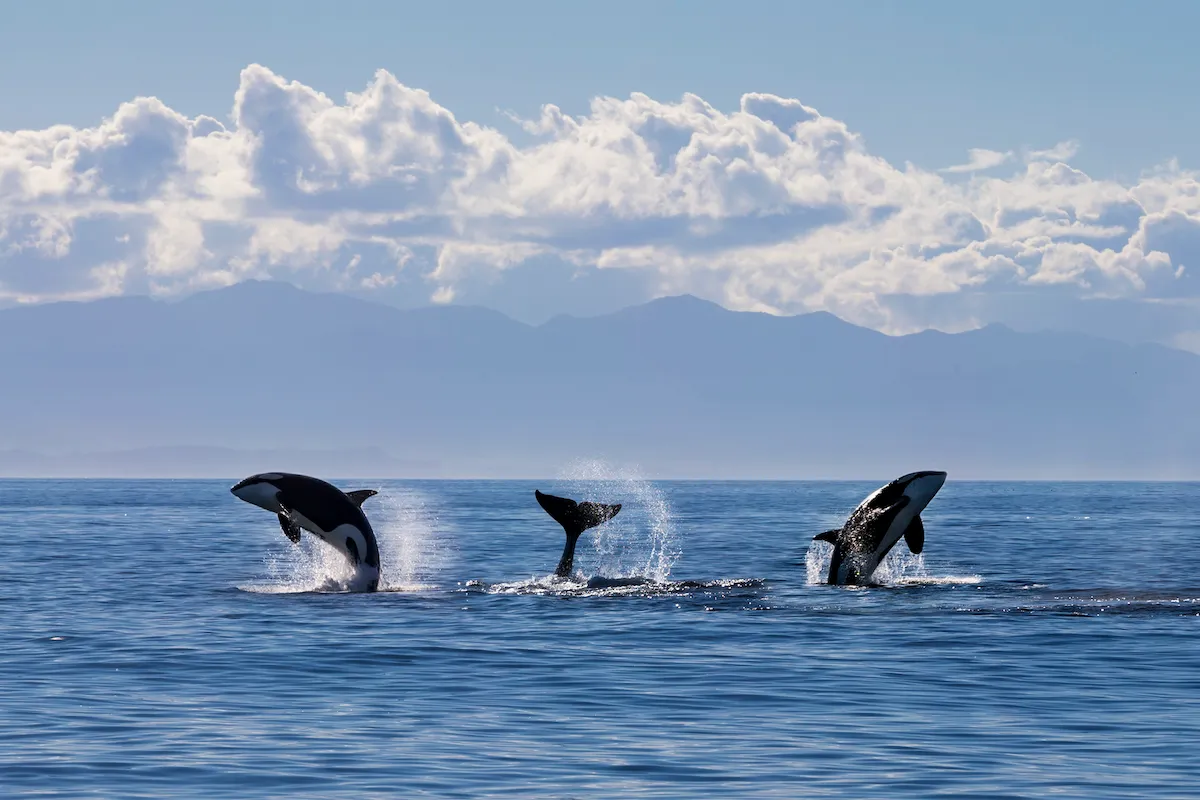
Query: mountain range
264	376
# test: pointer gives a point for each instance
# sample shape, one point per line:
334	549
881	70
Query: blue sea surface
163	639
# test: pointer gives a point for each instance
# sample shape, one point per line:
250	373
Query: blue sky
1059	123
922	81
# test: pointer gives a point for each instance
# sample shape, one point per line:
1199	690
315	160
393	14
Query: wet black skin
862	534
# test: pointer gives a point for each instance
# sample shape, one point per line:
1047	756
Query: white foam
542	584
940	580
572	587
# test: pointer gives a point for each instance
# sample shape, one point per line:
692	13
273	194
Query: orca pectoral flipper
828	536
290	529
914	535
359	495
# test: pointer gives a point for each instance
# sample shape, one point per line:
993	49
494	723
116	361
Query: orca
309	504
575	518
889	513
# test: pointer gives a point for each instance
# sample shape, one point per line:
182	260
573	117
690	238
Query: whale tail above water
575	518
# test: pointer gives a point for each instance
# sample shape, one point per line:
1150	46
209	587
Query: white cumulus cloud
979	160
770	206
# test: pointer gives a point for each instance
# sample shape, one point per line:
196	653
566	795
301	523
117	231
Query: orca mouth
257	492
262	477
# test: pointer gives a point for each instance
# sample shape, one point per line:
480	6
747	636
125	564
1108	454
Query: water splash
308	566
899	568
641	541
413	548
816	562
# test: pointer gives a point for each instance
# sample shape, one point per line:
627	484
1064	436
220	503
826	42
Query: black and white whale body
889	513
322	509
575	518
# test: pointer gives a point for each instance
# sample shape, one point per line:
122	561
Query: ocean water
163	639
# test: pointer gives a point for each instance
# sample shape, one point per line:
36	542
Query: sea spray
816	562
307	566
899	568
413	548
641	541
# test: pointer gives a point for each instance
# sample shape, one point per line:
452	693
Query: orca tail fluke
359	495
576	518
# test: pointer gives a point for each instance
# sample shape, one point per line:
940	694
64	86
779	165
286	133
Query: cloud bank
771	207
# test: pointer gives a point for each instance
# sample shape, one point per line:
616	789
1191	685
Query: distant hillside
264	372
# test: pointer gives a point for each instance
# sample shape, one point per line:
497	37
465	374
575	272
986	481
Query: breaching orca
878	523
575	519
310	504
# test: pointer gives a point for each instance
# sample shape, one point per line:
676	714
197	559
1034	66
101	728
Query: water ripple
163	640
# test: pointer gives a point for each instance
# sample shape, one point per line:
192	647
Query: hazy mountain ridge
679	386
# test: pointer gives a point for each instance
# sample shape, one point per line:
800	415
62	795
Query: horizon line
530	479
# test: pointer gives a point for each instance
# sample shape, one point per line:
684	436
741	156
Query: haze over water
162	638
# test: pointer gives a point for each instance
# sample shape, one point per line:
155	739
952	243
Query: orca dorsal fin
828	536
359	495
914	535
290	529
